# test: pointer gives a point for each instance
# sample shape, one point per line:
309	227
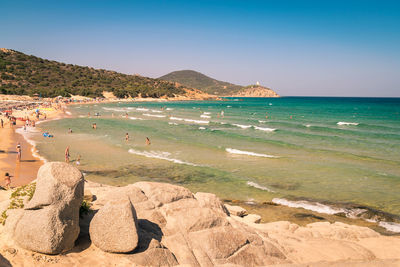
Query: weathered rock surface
236	210
114	227
49	223
177	227
252	218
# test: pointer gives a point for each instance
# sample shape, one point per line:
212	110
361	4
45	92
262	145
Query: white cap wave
248	153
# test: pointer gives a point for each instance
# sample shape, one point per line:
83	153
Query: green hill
202	82
24	74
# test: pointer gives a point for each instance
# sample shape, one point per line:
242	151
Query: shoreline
23	172
298	215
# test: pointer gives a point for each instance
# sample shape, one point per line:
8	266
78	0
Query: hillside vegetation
24	74
202	82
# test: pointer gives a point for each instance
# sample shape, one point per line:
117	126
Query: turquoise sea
323	153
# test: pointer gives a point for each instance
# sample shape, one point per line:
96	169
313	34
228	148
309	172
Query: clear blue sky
325	48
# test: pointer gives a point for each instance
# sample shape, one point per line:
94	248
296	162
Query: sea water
320	153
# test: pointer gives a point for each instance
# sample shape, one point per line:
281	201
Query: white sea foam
202	128
68	113
262	121
253	184
134	118
228	106
390	226
242	126
27	134
142	109
206	113
176	119
313	206
347	123
264	129
114	109
197	121
169	109
53	119
189	120
205	116
152	115
159	155
173	123
156	111
241	152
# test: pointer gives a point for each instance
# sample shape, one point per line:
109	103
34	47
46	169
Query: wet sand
22	172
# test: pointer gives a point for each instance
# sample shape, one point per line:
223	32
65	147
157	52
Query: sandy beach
24	171
335	242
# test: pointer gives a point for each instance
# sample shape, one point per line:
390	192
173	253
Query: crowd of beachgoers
25	111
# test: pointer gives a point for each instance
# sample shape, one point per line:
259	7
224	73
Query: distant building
258	83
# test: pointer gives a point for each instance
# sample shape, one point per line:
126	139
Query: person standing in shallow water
67	154
19	151
148	141
126	137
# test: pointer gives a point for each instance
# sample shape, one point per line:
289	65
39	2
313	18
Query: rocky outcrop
182	228
114	227
236	210
256	91
172	227
49	223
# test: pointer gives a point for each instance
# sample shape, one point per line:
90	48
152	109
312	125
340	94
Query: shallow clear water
332	149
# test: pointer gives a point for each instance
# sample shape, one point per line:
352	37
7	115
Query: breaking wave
159	155
353	212
347	123
255	185
241	152
153	115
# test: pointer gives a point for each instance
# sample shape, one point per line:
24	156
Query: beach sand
379	250
25	171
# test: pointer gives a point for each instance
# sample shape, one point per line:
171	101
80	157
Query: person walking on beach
7	180
67	154
2	123
148	141
19	151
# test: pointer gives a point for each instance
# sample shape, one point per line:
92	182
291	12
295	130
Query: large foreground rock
177	227
114	227
49	223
